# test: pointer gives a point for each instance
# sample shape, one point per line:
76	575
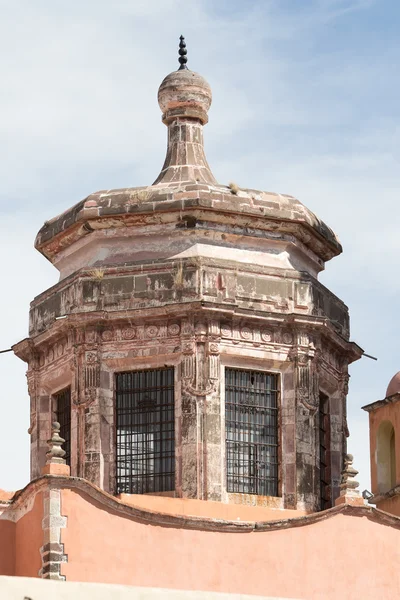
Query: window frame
173	473
325	483
251	366
67	446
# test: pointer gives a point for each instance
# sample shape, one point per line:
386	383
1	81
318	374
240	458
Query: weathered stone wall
199	345
208	280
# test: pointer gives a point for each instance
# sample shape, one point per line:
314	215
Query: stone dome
184	93
394	385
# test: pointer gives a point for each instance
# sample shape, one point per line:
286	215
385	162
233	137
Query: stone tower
188	348
384	438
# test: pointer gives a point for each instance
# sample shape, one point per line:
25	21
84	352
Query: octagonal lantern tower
188	348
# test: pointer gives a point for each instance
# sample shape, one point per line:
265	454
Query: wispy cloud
305	102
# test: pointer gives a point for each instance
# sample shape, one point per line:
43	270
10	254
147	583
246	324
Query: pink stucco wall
28	540
7	547
208	509
20	541
340	557
389	412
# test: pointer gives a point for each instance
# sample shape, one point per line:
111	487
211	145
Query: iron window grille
251	421
63	415
145	417
324	442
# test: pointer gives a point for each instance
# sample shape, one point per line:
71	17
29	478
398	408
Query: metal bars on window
145	416
324	440
251	421
63	415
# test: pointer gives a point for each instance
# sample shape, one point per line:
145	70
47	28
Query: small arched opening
386	457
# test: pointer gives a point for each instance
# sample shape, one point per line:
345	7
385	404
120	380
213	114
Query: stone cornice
379	403
394	491
26	347
134	206
23	499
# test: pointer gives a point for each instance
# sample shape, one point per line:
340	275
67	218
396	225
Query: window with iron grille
324	440
63	414
251	421
145	416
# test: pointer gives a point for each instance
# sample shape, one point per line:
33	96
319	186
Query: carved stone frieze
306	362
201	362
54	352
128	333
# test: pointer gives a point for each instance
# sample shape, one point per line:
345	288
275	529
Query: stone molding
55	483
388	400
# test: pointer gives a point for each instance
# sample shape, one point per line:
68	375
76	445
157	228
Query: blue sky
306	102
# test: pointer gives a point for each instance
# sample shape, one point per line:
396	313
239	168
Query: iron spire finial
182	53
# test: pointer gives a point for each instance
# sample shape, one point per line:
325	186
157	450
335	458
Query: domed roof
187	186
394	385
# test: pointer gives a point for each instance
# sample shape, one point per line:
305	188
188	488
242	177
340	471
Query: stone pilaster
52	551
305	358
201	414
288	476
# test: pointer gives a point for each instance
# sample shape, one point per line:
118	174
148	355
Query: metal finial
182	53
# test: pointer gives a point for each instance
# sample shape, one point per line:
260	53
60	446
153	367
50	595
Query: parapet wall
106	540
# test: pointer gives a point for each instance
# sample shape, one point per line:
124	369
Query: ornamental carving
90	337
200	329
213	348
200	366
151	331
226	331
174	329
91	378
91	357
54	352
287	338
129	333
246	333
267	335
306	377
107	335
188	348
193	391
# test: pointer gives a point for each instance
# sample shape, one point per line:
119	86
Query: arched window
386	457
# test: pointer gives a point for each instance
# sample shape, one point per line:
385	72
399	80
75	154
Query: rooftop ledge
152	517
388	400
126	208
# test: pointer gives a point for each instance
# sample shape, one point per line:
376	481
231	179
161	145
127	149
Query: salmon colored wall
390	505
29	540
7	548
388	412
327	559
206	508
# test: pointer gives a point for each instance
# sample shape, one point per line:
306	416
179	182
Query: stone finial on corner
55	461
349	492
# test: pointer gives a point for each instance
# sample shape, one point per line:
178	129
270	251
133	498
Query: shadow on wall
386	457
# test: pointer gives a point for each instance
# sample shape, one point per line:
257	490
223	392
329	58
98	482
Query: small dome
184	93
394	385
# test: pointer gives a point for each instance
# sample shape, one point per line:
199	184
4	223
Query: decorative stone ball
184	93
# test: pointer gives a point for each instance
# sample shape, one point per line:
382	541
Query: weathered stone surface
194	275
